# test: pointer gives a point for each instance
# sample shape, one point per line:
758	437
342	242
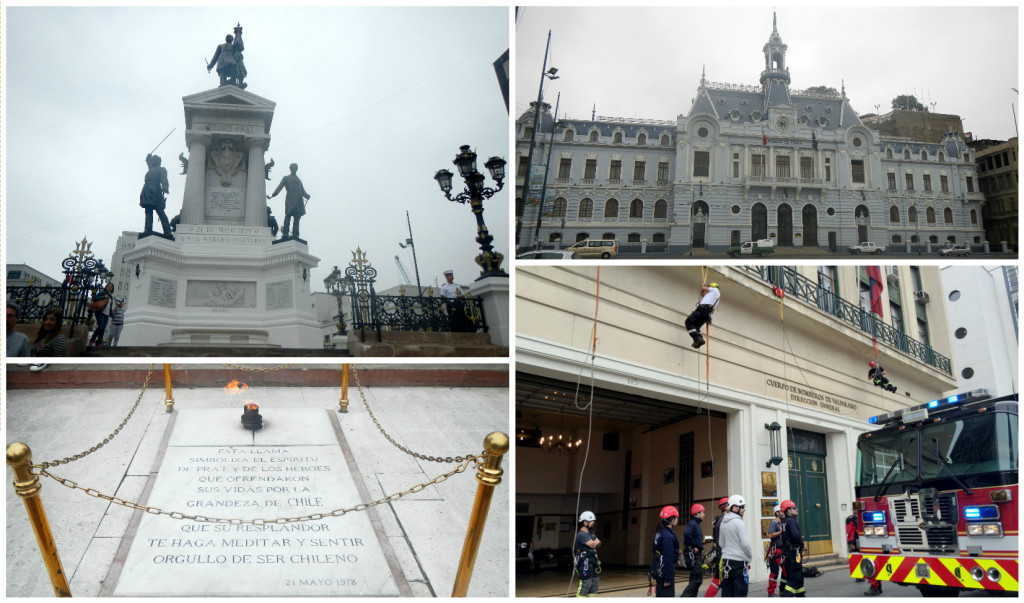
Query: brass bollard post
343	401
489	475
169	400
27	486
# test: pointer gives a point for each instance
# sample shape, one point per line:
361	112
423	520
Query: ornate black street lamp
339	286
475	192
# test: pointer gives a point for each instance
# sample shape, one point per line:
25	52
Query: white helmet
777	509
736	500
587	516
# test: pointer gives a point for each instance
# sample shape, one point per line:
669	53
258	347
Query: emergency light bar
912	414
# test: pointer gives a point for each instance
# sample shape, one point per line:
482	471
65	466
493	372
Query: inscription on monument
220	294
225	202
163	292
279	295
323	557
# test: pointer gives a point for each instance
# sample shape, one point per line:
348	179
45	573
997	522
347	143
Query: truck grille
939	512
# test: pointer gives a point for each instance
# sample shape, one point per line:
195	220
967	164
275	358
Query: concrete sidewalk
426	530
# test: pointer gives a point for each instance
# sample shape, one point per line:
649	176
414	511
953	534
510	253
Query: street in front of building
632	582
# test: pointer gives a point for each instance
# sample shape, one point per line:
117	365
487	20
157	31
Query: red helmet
697	508
871	363
787	505
724	502
669	511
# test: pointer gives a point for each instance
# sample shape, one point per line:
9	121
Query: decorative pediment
229	95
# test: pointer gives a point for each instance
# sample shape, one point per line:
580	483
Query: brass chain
434	459
260	370
112	435
475	460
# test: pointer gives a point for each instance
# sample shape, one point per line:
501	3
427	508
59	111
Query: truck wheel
878	252
938	591
967	253
605	255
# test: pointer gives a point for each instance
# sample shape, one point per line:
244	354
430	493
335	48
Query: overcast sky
646	63
371	102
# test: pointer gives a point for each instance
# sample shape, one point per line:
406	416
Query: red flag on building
764	137
875	277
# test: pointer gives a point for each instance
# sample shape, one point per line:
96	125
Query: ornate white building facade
746	162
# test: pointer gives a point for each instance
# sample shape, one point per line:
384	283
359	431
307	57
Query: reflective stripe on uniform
942	571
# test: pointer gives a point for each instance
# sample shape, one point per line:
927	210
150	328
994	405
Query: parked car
551	254
961	249
594	248
866	248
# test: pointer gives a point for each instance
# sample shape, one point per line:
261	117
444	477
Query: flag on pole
875	278
764	137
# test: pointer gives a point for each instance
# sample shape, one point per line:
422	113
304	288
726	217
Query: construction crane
401	270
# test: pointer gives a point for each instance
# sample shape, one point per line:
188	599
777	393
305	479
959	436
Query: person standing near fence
17	343
116	323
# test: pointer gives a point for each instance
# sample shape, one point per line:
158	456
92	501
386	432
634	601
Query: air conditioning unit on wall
921	297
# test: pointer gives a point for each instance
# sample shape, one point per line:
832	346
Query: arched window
933	239
569	135
664	142
593	136
951	239
586	209
941	156
555	236
894	214
930	215
912	215
618	138
974	217
947	216
924	155
582	236
661	209
633	237
658	238
641	140
608	236
636	208
611	208
888	153
558	209
897	239
906	153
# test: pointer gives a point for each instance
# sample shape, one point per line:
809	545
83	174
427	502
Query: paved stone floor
426	529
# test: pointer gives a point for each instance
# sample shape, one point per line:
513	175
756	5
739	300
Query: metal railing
400	313
804	289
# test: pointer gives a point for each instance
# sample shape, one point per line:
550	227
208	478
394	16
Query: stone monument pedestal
221	285
223	280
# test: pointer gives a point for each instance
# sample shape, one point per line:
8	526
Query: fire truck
937	496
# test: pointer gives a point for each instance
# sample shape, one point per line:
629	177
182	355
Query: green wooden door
808	487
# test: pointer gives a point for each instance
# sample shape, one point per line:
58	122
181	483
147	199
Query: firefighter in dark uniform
792	546
693	548
666	554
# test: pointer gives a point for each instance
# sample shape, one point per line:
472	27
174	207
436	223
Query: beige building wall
802	368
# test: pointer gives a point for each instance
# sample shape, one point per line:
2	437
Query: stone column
193	206
256	183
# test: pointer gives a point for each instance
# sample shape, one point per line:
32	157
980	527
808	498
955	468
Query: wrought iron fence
800	287
401	313
82	277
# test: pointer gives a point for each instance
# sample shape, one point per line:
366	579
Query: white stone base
493	290
220	286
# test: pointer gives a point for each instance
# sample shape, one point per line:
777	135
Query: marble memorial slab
263	478
163	292
279	295
225	202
